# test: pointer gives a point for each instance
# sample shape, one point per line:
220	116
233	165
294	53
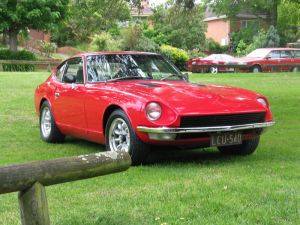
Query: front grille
222	120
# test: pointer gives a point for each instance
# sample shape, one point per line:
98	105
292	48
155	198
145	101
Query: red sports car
270	59
131	101
211	64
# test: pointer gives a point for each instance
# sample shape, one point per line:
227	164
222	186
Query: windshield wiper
130	78
171	75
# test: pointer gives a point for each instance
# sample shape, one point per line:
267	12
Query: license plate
224	139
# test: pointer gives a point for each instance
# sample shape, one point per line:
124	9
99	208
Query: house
220	27
142	13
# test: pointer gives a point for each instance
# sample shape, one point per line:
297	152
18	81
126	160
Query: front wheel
246	148
120	136
256	69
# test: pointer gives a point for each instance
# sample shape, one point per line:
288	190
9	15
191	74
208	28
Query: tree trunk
13	41
274	12
4	38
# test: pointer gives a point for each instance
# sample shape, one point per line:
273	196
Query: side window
274	54
60	72
75	68
297	54
286	54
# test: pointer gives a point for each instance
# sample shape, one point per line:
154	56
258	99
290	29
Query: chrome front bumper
167	133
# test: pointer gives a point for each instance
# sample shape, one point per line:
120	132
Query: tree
232	7
94	16
288	25
21	15
180	26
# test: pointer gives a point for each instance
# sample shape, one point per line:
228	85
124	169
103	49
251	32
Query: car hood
192	99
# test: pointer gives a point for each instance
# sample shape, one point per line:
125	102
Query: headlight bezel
263	102
153	111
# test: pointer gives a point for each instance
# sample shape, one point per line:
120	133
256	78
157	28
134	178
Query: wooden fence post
33	206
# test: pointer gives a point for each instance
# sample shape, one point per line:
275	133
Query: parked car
131	101
271	59
208	64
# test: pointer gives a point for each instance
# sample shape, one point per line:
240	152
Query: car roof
115	53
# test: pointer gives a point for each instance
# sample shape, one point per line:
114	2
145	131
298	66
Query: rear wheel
48	129
120	136
256	69
213	70
246	148
295	69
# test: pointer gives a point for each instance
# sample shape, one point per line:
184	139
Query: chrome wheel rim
46	122
119	136
214	70
256	70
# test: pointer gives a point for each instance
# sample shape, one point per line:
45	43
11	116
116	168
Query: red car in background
209	64
131	101
270	59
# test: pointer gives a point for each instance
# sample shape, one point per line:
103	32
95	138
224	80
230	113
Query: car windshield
258	53
219	57
111	67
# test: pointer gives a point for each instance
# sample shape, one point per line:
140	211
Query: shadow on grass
198	156
165	156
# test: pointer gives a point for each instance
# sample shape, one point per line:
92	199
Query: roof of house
210	15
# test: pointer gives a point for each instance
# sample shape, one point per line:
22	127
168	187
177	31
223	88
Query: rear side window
285	54
75	68
297	54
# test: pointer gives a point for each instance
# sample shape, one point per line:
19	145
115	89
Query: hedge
6	54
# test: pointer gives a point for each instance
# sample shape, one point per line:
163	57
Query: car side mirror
268	57
68	78
186	77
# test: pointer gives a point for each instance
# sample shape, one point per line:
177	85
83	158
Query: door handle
57	94
73	86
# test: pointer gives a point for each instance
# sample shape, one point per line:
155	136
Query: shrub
146	45
260	40
215	47
178	56
196	53
133	39
48	48
272	38
104	42
6	54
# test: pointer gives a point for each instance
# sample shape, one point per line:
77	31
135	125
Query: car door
69	99
272	62
286	60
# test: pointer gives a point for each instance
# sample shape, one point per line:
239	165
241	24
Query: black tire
256	69
138	150
54	135
246	148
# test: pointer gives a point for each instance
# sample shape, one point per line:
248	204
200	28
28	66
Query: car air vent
149	84
222	120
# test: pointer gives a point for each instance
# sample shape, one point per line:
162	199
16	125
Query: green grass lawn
187	187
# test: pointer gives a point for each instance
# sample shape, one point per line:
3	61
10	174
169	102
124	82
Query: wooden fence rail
41	64
30	179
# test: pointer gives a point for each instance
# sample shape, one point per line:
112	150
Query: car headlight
153	111
263	102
